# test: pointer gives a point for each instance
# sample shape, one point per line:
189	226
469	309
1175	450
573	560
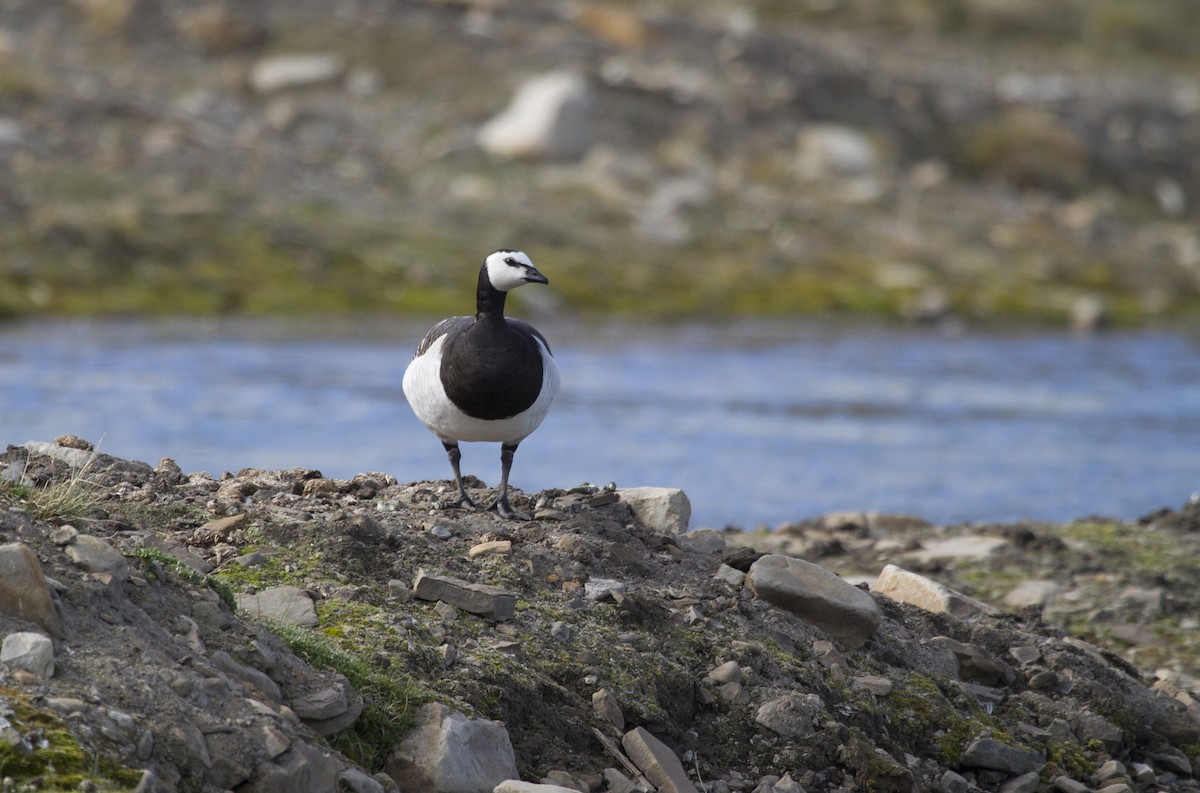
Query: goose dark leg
501	504
455	454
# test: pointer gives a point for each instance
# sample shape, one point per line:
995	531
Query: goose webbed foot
505	510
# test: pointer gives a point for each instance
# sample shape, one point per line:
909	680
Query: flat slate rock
817	596
481	599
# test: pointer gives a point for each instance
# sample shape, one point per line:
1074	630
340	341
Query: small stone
449	751
1110	769
492	548
517	786
97	556
1035	592
278	72
288	604
733	692
1068	785
604	705
791	715
1025	783
64	535
917	590
601	589
441	532
218	530
24	592
665	509
561	631
954	783
730	575
1026	654
728	672
31	652
990	753
705	542
447	612
1115	787
481	599
619	783
816	596
547	117
876	684
656	760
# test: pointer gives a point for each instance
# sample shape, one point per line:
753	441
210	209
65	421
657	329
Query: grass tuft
390	697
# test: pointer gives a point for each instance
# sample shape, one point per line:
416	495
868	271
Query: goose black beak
532	276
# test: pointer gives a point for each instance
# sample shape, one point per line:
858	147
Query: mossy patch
55	760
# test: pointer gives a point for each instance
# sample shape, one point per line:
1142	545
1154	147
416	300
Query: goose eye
511	261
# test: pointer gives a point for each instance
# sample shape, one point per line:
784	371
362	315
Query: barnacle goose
487	377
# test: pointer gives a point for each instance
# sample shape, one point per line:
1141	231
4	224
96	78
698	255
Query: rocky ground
973	159
281	631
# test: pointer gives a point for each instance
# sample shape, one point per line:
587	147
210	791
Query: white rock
662	508
32	652
906	587
293	71
547	117
730	575
517	786
825	150
448	752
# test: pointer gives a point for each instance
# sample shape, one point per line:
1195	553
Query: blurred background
933	256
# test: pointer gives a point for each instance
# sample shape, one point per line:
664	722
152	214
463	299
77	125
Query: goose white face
509	269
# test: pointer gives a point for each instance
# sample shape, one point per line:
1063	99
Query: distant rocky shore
282	631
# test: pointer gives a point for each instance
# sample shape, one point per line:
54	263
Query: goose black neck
489	301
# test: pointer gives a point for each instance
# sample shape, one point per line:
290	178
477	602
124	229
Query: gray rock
656	760
604	705
728	672
302	769
23	590
32	652
618	782
278	72
954	783
96	556
791	715
665	509
357	781
701	541
991	754
331	709
970	547
517	786
601	589
450	753
1025	783
1068	785
832	150
975	665
288	604
259	684
730	575
917	590
876	684
481	599
1034	592
547	117
816	596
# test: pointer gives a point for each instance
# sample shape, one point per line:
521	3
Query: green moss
58	761
390	697
152	556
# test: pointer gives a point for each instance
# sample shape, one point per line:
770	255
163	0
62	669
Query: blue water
758	423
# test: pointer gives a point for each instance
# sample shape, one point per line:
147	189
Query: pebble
24	592
817	596
656	760
548	116
917	590
278	72
29	651
602	589
728	672
491	548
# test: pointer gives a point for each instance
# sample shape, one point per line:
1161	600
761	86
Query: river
760	423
